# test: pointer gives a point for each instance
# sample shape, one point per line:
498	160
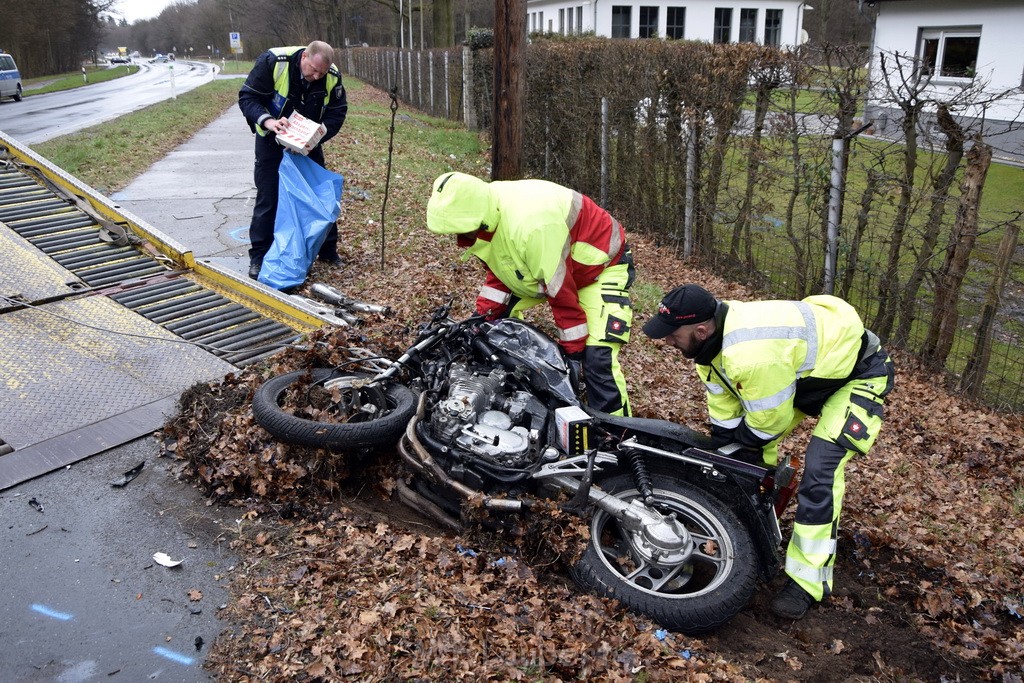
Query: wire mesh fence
729	153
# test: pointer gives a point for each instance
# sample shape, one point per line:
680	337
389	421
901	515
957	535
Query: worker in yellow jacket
544	242
766	366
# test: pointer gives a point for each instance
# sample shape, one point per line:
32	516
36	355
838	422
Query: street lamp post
800	9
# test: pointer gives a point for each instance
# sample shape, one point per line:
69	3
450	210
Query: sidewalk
83	598
202	192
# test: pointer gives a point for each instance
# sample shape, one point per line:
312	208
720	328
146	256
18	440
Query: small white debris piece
165	560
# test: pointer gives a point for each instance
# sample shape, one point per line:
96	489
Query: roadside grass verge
110	155
241	67
73	79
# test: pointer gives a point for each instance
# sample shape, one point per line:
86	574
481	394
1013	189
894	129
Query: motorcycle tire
696	596
394	404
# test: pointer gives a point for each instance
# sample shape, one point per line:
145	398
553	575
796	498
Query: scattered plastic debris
165	560
661	634
686	654
128	476
467	552
36	504
199	643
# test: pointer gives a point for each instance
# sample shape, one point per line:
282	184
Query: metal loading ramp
104	321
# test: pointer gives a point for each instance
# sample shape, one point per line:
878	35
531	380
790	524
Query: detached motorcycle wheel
366	415
694	596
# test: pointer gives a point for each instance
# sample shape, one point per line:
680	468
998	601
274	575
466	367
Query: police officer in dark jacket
285	80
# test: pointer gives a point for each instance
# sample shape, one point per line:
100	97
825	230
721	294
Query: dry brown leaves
353	597
932	516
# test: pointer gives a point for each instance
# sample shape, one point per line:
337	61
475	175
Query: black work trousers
264	212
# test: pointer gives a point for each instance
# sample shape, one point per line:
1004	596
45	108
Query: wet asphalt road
38	118
81	598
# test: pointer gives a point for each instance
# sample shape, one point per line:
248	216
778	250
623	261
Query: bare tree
965	233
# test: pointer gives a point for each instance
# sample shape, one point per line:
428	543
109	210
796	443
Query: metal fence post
469	111
604	151
447	89
691	169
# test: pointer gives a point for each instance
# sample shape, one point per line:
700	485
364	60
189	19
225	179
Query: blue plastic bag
308	203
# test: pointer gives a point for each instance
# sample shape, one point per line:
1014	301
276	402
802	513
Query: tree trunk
940	195
705	235
951	278
889	287
753	164
443	22
977	365
509	89
866	199
799	267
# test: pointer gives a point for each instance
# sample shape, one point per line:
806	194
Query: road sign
236	39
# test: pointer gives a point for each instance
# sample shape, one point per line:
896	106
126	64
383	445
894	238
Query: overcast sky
133	10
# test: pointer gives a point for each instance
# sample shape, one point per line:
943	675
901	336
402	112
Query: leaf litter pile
338	580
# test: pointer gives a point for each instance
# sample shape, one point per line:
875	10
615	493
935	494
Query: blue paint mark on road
43	609
237	234
174	656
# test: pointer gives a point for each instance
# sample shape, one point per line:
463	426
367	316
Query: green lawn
76	79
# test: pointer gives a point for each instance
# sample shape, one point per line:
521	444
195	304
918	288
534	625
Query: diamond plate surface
73	363
27	273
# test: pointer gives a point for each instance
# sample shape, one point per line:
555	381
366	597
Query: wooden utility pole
509	89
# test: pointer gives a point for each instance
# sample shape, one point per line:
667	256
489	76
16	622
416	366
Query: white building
957	45
768	22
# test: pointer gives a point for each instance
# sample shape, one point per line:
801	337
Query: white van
10	78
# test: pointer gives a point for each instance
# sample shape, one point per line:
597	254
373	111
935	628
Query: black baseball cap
684	305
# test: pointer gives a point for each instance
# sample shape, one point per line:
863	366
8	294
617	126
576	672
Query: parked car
158	58
120	59
10	78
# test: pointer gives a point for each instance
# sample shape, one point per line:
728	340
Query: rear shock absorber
641	477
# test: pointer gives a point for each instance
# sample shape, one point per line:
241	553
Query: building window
648	22
748	25
561	21
773	27
622	16
579	19
950	52
675	23
723	24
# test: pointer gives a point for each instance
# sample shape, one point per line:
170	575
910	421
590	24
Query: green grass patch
75	79
110	155
240	67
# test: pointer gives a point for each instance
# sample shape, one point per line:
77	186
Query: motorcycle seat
659	428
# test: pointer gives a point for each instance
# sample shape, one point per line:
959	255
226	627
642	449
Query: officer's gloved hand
738	451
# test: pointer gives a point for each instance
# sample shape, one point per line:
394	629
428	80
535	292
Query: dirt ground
342	582
858	635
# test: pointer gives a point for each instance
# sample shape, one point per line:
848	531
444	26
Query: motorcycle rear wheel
367	416
696	596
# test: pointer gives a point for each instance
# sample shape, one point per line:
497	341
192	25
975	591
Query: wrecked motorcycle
491	411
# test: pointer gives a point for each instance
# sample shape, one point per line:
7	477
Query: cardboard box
302	135
573	430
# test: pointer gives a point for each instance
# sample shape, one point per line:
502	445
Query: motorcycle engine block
475	417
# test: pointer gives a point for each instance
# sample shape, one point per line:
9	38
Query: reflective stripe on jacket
774	353
549	242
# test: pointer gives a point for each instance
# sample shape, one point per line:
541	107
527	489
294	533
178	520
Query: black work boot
792	602
254	267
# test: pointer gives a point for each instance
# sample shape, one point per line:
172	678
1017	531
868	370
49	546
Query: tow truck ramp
104	320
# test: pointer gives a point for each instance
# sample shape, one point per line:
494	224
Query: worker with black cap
766	366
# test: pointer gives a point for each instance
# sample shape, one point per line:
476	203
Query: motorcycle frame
751	486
